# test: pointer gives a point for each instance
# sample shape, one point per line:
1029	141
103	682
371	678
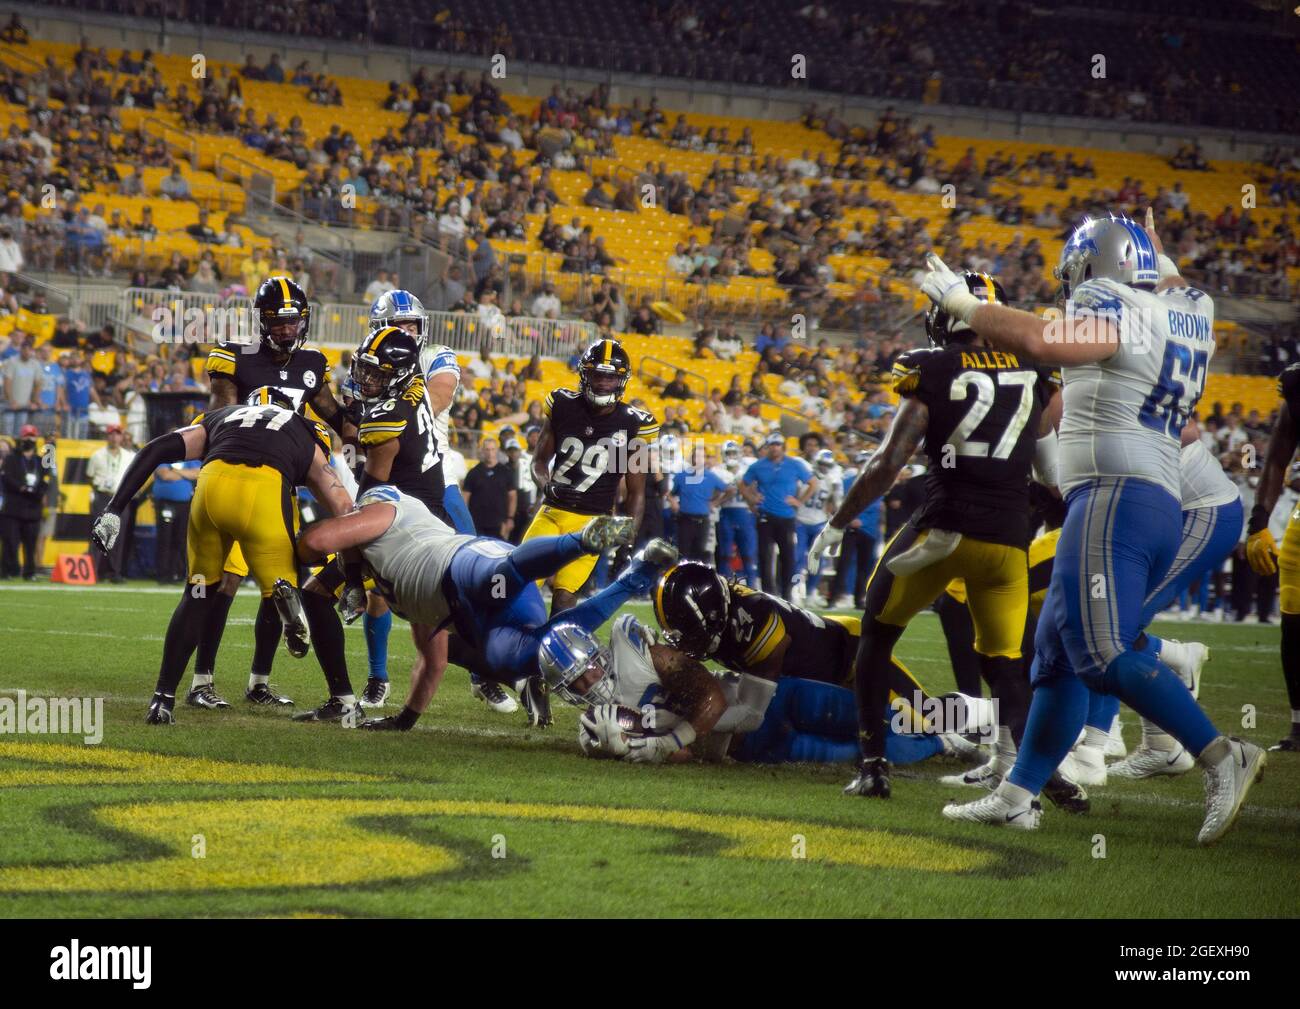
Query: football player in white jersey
810	519
1134	342
437	578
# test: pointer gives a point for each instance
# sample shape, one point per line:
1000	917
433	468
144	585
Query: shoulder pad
222	361
383	493
439	361
630	629
906	373
1098	295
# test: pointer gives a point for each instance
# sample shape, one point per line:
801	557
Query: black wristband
406	718
1258	520
354	572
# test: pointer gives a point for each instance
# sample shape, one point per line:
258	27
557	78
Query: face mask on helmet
603	387
576	666
370	378
403	310
825	461
691	615
284	331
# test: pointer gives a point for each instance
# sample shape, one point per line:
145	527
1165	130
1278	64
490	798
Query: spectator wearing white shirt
547	304
104	472
378	287
11	253
680	263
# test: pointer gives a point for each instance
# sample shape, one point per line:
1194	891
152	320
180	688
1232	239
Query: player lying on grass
765	639
647	701
253	457
482	587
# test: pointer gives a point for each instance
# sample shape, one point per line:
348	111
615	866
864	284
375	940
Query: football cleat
961	747
160	710
206	696
606	531
263	694
1148	762
333	710
996	811
297	638
537	702
1089	765
388	723
494	696
1066	795
987	775
872	780
1289	744
1231	767
375	693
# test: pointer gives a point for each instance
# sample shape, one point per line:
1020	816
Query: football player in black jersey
282	361
254	456
591	442
978	414
395	428
1262	550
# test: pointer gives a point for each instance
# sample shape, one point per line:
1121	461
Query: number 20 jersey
1124	416
984	407
593	451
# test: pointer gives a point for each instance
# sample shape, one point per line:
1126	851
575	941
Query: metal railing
168	134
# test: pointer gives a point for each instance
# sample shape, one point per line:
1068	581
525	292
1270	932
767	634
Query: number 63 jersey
985	407
1124	416
593	451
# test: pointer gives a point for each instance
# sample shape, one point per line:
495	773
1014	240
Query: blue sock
591	614
1156	693
1102	709
1056	714
540	558
1153	644
377	630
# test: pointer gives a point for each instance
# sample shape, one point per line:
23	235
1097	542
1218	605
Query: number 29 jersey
984	412
1124	416
593	451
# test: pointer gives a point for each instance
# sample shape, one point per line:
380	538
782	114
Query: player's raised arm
353	529
1073	340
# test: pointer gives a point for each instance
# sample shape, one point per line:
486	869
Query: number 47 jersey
1124	416
984	408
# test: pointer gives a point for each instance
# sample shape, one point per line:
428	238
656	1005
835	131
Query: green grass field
244	813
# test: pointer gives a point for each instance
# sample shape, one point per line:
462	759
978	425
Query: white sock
201	680
1014	794
1295	716
349	699
1155	738
1004	757
1093	736
256	680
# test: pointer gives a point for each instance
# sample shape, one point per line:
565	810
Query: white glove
352	603
651	749
105	531
600	733
949	291
657	749
827	542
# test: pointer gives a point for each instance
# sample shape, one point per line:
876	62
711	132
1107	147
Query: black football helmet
384	363
943	329
603	372
691	604
283	315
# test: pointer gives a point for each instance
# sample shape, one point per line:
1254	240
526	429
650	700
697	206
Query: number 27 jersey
593	451
1124	416
984	409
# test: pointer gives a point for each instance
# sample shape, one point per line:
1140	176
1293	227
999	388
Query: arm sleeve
163	449
1045	460
746	714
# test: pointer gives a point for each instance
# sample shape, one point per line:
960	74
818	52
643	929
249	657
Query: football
629	720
